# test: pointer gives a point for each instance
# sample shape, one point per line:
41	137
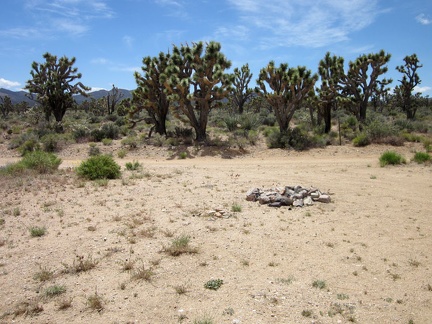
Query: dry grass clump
180	245
80	264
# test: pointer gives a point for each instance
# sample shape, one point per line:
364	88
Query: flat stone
298	203
308	201
324	199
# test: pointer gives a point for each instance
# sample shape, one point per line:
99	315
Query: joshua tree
330	69
52	83
196	83
241	92
150	94
410	80
285	88
360	83
5	106
112	99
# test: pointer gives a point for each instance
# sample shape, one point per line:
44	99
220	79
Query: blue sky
109	38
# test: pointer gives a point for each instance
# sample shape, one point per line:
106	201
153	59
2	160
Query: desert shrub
391	157
427	144
249	121
299	139
29	146
269	120
231	122
412	137
80	133
404	125
361	140
99	167
252	137
19	140
108	130
133	166
107	141
93	149
421	157
50	142
275	139
130	141
42	162
377	130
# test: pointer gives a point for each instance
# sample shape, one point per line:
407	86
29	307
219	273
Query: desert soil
371	246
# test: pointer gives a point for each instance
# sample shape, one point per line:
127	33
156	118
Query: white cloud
59	17
422	89
128	41
7	84
305	22
100	60
423	19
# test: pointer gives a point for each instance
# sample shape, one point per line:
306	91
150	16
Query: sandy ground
370	246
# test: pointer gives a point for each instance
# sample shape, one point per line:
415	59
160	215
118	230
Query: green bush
42	162
99	167
80	134
93	149
30	145
391	157
421	157
361	140
108	130
133	166
378	130
131	141
50	142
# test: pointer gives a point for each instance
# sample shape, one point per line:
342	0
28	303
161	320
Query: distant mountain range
19	96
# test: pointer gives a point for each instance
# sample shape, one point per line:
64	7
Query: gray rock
308	201
298	203
263	199
324	198
275	204
253	194
286	201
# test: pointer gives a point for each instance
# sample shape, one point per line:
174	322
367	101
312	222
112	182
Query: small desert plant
37	231
107	141
50	142
361	140
205	319
121	153
44	274
55	290
421	157
130	141
28	308
181	289
80	264
320	284
143	273
183	155
95	302
64	303
180	245
99	167
213	284
236	208
133	166
306	313
391	157
93	150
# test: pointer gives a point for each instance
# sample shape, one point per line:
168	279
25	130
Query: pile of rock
296	196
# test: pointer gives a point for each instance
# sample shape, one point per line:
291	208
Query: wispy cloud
174	8
49	18
423	19
128	41
7	84
306	23
100	61
422	89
